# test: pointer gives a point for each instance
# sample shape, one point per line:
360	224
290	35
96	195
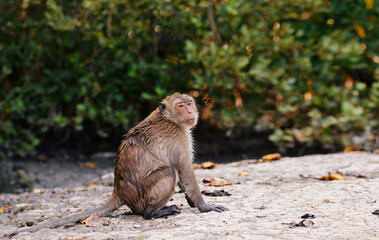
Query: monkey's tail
113	203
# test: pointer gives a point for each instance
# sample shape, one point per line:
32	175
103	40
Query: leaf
55	195
341	176
302	223
308	215
360	31
215	193
94	221
245	163
333	176
92	185
271	157
369	4
2	210
205	165
352	148
216	182
90	164
243	173
42	158
206	99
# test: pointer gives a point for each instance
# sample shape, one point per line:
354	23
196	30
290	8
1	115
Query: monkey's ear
162	107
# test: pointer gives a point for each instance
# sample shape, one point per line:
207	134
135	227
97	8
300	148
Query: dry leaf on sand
205	165
352	148
271	157
94	221
216	182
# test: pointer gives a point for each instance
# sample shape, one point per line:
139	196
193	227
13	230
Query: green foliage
306	70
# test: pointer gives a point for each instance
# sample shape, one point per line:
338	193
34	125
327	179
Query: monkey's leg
188	182
189	201
160	193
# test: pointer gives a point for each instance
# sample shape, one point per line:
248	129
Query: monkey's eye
181	105
189	103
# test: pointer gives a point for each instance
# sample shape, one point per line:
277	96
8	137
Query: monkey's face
181	109
187	112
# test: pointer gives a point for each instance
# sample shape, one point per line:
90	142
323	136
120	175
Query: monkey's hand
209	207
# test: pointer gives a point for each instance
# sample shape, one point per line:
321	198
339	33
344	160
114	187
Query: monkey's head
180	109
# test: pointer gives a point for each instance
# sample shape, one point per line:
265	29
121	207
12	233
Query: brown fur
146	165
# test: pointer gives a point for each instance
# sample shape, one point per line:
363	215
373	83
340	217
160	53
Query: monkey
150	157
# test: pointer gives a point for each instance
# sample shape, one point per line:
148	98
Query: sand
267	202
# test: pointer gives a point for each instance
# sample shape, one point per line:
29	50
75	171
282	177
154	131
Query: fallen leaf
337	176
127	213
94	221
302	223
3	209
92	185
243	173
333	176
271	157
376	212
352	148
308	215
215	193
340	176
205	165
57	195
90	164
42	158
216	182
306	223
245	163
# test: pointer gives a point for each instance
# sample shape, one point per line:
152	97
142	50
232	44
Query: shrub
305	70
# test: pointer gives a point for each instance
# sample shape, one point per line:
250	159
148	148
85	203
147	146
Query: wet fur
148	161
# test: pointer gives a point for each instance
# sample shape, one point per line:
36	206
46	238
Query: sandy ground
266	198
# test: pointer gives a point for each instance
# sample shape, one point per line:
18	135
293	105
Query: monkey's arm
189	201
189	185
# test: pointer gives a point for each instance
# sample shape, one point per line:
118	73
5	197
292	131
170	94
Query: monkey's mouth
191	120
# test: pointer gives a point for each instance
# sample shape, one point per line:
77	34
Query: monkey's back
145	157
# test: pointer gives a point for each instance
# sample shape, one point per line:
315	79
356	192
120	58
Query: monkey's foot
210	207
166	211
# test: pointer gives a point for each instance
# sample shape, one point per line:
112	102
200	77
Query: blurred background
296	77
